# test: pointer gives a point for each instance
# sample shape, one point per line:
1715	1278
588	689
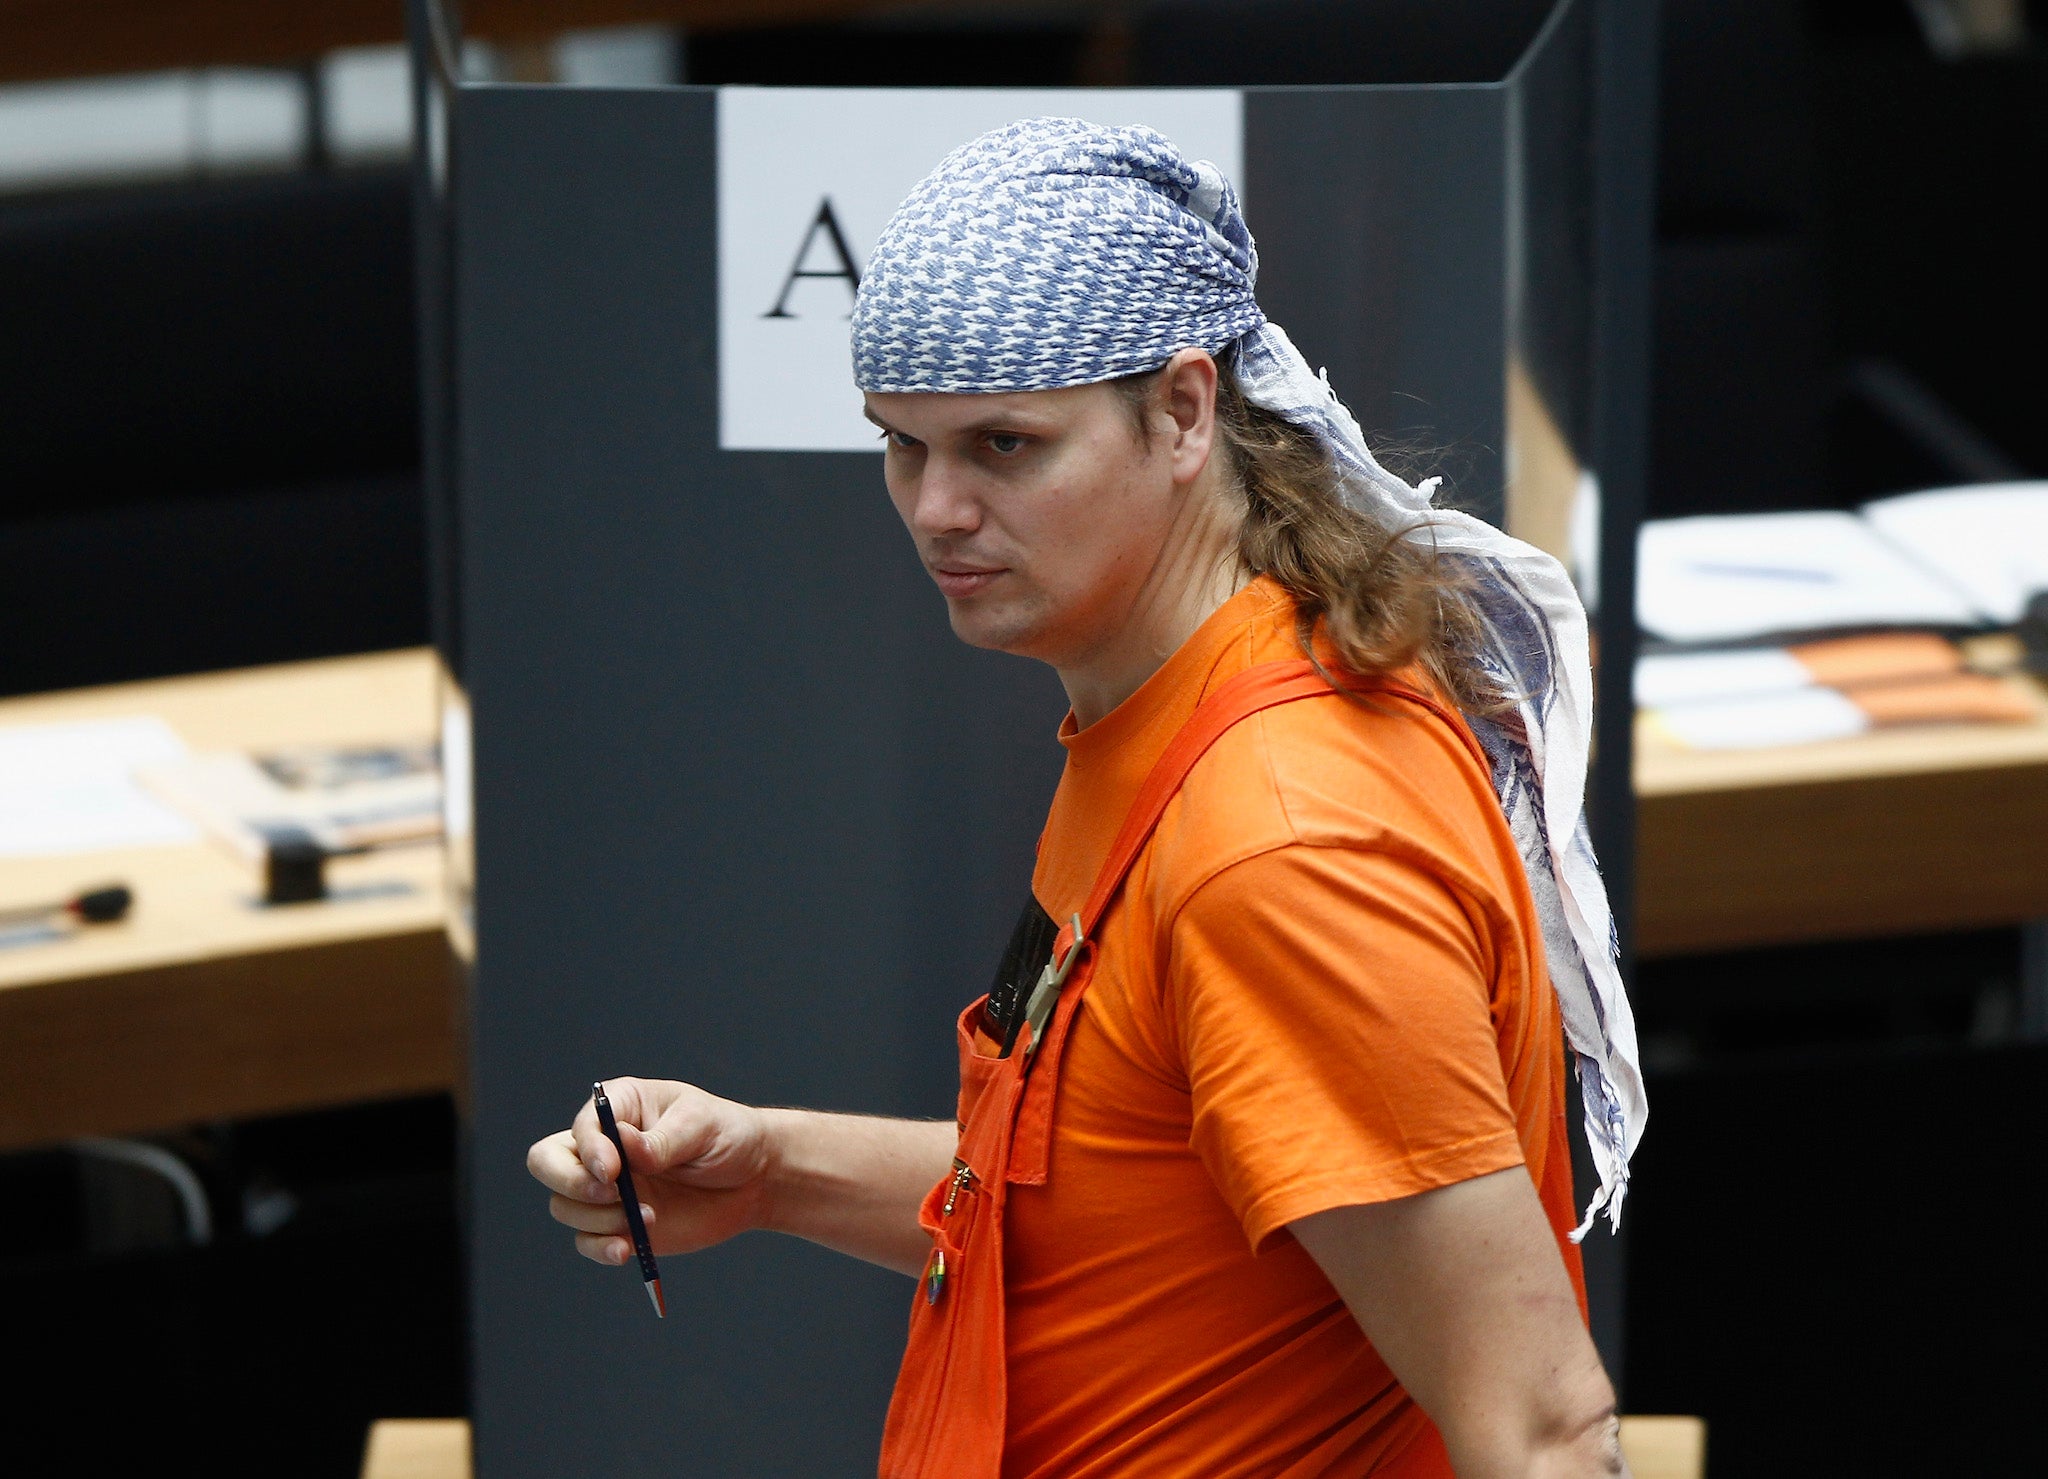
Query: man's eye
1004	443
901	441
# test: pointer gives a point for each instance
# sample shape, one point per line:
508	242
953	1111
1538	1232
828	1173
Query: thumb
663	1147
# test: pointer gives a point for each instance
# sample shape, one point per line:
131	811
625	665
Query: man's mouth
956	580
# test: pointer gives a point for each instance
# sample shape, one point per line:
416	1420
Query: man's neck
1197	572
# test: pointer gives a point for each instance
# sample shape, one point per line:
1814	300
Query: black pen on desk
650	1274
95	906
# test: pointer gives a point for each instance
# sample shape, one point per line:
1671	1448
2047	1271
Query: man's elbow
1569	1431
1579	1432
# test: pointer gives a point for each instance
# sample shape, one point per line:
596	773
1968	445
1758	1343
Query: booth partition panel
746	813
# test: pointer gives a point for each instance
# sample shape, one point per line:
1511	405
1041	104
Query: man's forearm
1463	1292
852	1183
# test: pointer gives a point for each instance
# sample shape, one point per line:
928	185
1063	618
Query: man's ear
1187	386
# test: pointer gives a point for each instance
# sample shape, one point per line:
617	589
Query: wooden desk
203	1004
1941	827
418	1448
439	1448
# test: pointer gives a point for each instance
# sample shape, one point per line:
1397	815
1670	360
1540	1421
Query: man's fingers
678	1137
593	1149
557	1164
553	1162
689	1130
635	1103
657	1149
586	1217
601	1249
608	1218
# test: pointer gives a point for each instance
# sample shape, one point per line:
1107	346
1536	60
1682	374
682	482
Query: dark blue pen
1763	572
650	1275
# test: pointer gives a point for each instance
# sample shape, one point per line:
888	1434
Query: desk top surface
1664	768
196	900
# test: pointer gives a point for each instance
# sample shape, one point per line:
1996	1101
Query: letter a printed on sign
847	270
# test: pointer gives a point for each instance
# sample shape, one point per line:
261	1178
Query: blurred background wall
209	457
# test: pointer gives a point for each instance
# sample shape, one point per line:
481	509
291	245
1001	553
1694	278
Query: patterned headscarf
1055	252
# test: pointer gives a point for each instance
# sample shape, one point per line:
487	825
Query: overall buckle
1046	994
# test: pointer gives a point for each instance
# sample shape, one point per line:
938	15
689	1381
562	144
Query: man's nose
945	503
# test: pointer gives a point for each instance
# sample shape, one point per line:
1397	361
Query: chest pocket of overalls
949	1412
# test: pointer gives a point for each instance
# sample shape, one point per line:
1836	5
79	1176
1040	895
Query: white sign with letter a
807	178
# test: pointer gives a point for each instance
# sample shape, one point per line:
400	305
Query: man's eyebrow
995	423
1022	425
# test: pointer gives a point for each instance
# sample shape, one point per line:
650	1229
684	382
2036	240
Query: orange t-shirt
1321	986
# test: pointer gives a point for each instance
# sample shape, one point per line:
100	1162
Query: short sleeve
1335	1014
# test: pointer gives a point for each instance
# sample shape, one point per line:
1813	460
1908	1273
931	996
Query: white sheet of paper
1796	718
1721	578
1989	540
70	788
1696	677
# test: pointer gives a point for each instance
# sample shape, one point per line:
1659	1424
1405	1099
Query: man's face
1039	514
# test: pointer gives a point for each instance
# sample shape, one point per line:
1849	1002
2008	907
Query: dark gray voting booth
745	812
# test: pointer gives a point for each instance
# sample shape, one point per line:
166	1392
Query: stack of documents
1903	572
1818	690
345	799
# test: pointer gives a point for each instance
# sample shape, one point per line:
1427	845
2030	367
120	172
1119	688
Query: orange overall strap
1240	697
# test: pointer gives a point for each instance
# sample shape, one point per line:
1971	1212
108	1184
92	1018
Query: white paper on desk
1988	540
67	788
1722	578
1669	678
1797	718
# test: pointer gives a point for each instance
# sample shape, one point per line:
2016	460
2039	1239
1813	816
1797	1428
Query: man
1260	1164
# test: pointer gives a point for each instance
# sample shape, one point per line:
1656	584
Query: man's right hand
700	1165
707	1168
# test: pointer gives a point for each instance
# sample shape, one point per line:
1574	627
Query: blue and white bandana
1055	252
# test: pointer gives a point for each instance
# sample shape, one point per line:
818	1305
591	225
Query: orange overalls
948	1416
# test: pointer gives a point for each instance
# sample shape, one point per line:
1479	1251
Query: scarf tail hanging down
1536	651
1056	252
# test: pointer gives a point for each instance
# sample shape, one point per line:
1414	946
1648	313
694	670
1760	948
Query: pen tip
653	1287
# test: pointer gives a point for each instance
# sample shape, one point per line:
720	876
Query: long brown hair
1379	601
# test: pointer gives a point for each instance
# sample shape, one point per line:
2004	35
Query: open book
1956	558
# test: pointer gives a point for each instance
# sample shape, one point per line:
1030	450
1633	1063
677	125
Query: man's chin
991	627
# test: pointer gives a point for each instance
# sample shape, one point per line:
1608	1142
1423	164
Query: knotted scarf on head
1055	252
